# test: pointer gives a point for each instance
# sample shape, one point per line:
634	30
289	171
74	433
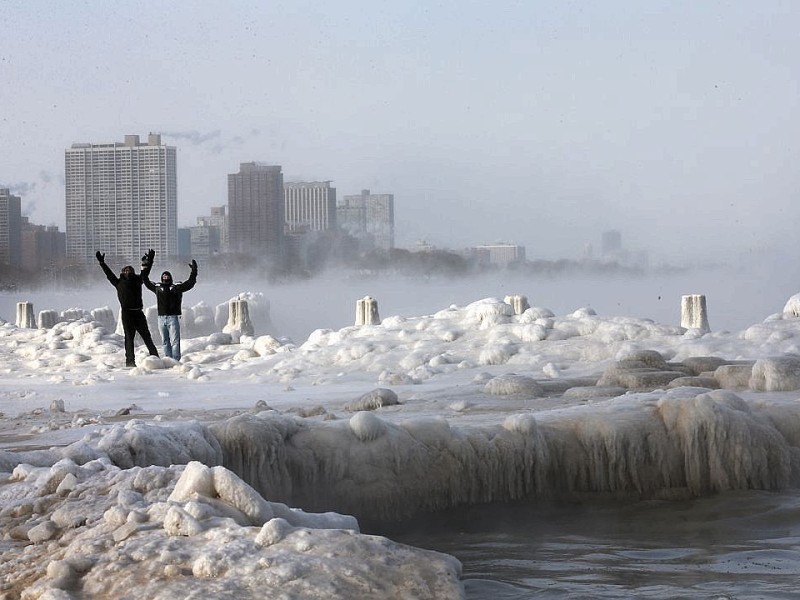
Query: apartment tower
121	200
256	210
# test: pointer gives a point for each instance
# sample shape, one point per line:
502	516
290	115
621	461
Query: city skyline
537	123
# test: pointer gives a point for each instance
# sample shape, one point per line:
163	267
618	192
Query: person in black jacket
168	299
129	292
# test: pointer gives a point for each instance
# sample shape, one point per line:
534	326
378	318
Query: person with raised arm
169	296
129	293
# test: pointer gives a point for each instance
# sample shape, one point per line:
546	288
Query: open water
740	545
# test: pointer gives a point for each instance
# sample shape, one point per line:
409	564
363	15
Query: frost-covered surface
97	531
471	404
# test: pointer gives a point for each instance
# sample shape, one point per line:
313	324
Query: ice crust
514	403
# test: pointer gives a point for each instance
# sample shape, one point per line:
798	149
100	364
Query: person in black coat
169	296
129	292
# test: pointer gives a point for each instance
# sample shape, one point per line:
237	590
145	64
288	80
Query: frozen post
25	315
367	311
238	318
693	312
104	316
47	319
520	303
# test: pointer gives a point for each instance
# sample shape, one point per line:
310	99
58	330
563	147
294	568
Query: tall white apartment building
121	199
310	206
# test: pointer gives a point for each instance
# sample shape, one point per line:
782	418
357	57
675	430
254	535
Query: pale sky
538	123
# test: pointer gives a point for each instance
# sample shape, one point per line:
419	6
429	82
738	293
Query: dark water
743	545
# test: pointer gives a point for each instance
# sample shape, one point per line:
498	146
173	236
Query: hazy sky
541	123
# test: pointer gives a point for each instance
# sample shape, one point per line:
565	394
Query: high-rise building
368	215
10	228
121	199
256	210
310	206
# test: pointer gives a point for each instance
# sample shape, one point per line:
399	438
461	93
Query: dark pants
133	322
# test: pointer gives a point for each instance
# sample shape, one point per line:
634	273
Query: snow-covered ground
249	468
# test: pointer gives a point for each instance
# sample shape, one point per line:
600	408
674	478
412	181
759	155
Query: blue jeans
170	328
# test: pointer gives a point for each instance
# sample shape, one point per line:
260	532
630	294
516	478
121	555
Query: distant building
184	243
121	199
611	251
43	246
499	254
610	243
219	219
256	210
310	206
368	217
10	228
204	241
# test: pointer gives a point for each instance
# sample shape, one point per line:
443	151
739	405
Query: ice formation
93	530
25	316
694	314
475	404
367	311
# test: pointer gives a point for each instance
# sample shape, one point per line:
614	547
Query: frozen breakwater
292	449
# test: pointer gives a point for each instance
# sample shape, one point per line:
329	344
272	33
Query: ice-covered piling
25	315
238	318
367	311
694	314
520	303
104	316
47	319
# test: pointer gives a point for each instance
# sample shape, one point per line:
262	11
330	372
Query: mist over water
737	296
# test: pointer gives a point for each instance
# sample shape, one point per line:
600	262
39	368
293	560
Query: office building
369	216
256	210
121	199
10	228
310	206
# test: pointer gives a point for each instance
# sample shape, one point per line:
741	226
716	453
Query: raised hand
193	265
101	258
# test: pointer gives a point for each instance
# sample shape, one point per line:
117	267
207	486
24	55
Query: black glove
101	258
193	265
147	259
